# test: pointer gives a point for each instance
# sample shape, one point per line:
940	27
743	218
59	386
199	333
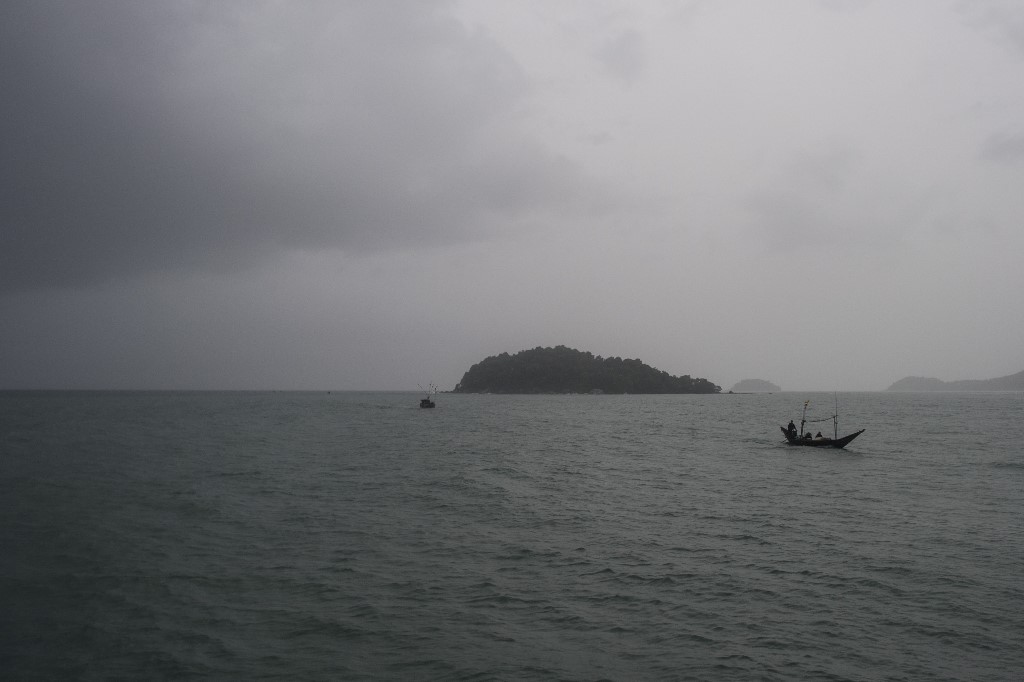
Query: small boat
794	437
821	442
427	402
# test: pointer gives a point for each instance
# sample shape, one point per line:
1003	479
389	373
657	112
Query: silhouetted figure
791	429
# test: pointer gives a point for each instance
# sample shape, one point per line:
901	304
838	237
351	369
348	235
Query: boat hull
820	442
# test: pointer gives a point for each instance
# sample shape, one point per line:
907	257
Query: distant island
567	370
1014	382
755	386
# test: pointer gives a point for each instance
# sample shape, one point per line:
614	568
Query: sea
355	536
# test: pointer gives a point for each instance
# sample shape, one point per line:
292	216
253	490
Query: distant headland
567	370
1014	382
755	386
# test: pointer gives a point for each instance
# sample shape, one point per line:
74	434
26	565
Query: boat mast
803	418
835	419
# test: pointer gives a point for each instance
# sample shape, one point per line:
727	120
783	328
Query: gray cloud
143	136
801	208
623	56
1003	18
828	167
844	5
792	223
1003	148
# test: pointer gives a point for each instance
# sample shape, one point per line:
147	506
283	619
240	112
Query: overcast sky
374	195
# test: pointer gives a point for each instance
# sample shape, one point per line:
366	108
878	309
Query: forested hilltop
566	370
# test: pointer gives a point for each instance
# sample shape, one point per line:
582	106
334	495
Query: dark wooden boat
794	437
820	442
427	402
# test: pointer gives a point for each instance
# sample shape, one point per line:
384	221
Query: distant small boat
427	402
794	437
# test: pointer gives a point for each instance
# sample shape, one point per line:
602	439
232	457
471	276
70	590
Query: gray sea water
351	536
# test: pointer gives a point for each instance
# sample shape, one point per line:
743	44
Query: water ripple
353	536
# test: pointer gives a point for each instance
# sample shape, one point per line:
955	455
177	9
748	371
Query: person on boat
807	436
791	429
818	436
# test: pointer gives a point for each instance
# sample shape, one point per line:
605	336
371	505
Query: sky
825	194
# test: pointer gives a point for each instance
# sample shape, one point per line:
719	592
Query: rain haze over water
343	195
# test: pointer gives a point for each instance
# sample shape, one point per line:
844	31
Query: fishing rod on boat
834	418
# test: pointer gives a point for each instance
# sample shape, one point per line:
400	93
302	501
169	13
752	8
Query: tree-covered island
567	370
755	386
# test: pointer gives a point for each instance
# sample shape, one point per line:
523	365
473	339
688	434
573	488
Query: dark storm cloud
152	136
